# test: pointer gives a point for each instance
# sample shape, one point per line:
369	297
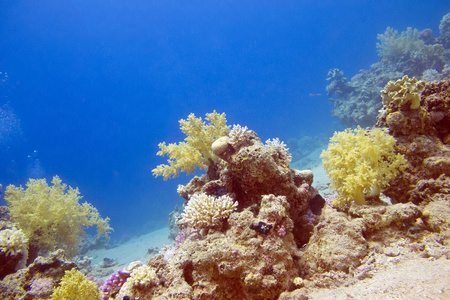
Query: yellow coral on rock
403	91
203	211
75	286
360	162
196	150
51	216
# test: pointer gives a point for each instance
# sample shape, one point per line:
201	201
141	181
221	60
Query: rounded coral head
220	145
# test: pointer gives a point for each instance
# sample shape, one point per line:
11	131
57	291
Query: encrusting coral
361	162
51	216
196	150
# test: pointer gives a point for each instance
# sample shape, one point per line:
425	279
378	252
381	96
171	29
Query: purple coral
41	285
181	237
114	283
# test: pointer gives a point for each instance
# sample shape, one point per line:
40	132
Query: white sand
135	249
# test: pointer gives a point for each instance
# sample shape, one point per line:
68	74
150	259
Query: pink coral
281	230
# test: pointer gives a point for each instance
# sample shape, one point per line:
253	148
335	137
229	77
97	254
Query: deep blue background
98	84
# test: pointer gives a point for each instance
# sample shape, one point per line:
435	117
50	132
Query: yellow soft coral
75	286
402	92
196	150
51	216
360	161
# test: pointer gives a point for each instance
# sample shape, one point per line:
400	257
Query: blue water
97	85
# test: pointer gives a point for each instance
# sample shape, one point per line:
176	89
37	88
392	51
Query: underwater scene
266	149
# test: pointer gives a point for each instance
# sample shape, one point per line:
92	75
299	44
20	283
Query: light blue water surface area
89	88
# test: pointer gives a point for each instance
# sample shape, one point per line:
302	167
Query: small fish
361	70
385	60
312	95
318	94
339	91
413	60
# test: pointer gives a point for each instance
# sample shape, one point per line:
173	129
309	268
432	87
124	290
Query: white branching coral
281	148
203	211
238	135
13	241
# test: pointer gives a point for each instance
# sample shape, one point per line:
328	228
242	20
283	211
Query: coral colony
253	227
114	283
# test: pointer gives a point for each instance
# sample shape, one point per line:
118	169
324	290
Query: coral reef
423	137
361	163
52	216
408	52
444	30
38	280
242	213
75	286
357	102
196	150
414	53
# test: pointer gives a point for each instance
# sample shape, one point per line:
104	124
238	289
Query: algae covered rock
337	244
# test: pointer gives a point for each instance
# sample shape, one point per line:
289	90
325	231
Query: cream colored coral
238	135
204	211
143	276
403	91
195	151
13	241
281	148
220	145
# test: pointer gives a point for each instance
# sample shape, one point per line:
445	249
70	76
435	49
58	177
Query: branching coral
196	150
280	147
203	211
360	161
13	241
75	286
51	216
238	135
